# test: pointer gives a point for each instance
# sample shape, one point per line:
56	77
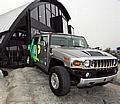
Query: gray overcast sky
97	20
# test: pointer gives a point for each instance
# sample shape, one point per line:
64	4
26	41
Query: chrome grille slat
109	63
97	63
103	63
100	63
112	62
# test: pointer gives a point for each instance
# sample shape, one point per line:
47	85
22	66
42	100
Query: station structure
18	26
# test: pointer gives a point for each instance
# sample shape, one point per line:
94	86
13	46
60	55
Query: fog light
87	74
115	71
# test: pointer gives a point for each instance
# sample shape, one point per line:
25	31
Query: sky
97	20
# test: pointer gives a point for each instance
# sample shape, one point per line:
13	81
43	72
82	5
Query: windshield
68	41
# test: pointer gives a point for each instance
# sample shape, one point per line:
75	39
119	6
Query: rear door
39	50
43	50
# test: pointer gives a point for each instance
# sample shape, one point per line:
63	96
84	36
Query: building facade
18	26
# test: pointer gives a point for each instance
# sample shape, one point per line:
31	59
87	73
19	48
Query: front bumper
93	81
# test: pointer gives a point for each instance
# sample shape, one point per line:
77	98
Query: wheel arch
55	62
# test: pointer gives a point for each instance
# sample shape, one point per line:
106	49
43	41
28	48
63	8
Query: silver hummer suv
68	60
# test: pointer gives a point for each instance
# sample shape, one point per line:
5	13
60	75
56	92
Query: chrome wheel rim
55	81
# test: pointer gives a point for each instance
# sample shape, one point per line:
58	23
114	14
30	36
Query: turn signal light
76	63
66	59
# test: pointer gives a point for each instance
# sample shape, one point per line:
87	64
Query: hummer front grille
103	63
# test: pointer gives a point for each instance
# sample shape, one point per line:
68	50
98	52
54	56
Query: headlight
76	63
86	63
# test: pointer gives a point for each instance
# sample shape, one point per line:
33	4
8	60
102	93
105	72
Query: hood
77	52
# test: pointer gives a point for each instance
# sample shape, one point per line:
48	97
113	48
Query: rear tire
59	81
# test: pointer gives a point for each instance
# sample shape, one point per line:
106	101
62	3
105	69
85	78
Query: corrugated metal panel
7	19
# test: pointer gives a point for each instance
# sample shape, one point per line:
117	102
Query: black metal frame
27	25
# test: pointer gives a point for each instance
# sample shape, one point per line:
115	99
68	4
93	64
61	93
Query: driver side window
43	40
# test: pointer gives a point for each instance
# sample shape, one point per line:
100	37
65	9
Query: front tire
59	81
